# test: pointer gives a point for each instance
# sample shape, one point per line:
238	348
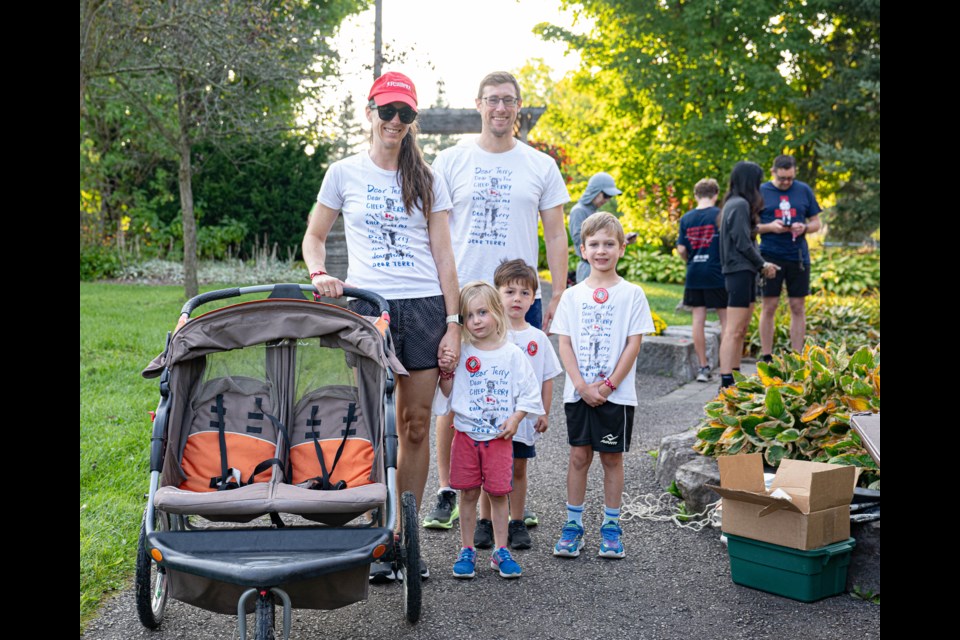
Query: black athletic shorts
607	428
796	274
417	325
741	288
709	298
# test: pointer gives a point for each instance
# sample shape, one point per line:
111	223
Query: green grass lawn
122	327
664	298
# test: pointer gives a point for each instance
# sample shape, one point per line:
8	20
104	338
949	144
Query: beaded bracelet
607	382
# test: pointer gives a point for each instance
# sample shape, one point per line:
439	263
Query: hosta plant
798	407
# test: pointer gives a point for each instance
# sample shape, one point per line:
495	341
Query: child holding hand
490	392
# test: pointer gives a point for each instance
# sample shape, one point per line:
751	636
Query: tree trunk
190	286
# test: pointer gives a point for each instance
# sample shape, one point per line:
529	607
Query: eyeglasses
508	101
386	113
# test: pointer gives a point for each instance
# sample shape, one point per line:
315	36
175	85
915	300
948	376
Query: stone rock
691	480
672	354
667	356
675	451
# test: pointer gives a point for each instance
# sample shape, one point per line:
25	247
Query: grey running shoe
446	511
703	375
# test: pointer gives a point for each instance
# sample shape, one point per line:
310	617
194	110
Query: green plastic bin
802	575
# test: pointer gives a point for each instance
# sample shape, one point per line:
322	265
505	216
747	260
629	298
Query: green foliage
850	320
643	264
845	272
166	77
671	92
98	263
798	407
867	595
674	490
121	329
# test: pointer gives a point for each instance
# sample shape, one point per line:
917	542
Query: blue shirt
796	204
701	237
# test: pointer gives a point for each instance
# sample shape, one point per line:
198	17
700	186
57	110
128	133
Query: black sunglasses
386	113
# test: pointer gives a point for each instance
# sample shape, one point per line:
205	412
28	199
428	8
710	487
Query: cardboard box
815	513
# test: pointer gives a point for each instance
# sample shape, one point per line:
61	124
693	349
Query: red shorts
487	463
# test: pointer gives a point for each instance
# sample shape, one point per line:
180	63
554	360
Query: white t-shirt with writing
389	251
488	388
599	321
497	198
545	364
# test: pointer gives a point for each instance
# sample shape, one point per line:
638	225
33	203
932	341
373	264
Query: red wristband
447	375
607	382
318	272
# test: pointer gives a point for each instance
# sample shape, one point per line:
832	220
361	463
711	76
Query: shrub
845	272
646	265
798	407
98	263
850	320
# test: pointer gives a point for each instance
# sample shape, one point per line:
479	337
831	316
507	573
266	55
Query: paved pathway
673	583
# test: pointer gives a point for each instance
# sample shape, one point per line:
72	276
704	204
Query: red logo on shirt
532	348
600	295
473	364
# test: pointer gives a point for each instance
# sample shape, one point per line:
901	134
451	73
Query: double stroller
273	461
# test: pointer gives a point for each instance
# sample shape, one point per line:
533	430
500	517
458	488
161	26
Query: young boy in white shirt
601	322
517	283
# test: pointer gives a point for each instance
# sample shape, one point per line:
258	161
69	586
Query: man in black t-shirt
790	211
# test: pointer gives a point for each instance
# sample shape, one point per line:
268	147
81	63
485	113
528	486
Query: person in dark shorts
790	212
699	244
600	391
740	260
386	196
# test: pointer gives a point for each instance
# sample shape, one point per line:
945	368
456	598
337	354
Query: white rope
663	508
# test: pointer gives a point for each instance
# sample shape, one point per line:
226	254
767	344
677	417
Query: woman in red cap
398	245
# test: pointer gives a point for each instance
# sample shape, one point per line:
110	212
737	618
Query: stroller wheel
151	580
410	552
265	618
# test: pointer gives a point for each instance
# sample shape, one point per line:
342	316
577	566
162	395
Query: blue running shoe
465	566
570	542
610	546
502	561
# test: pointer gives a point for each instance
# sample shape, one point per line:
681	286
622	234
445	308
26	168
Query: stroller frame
323	566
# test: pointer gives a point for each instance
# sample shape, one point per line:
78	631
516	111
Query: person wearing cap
395	216
600	190
500	187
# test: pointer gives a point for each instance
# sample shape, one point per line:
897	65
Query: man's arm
555	237
813	224
682	252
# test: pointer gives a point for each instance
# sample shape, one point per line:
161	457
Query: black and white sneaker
424	571
704	374
382	572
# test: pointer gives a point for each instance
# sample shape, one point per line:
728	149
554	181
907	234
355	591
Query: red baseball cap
393	87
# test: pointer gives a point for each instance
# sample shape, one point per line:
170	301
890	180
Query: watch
455	317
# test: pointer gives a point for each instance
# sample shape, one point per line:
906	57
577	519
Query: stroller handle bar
285	290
